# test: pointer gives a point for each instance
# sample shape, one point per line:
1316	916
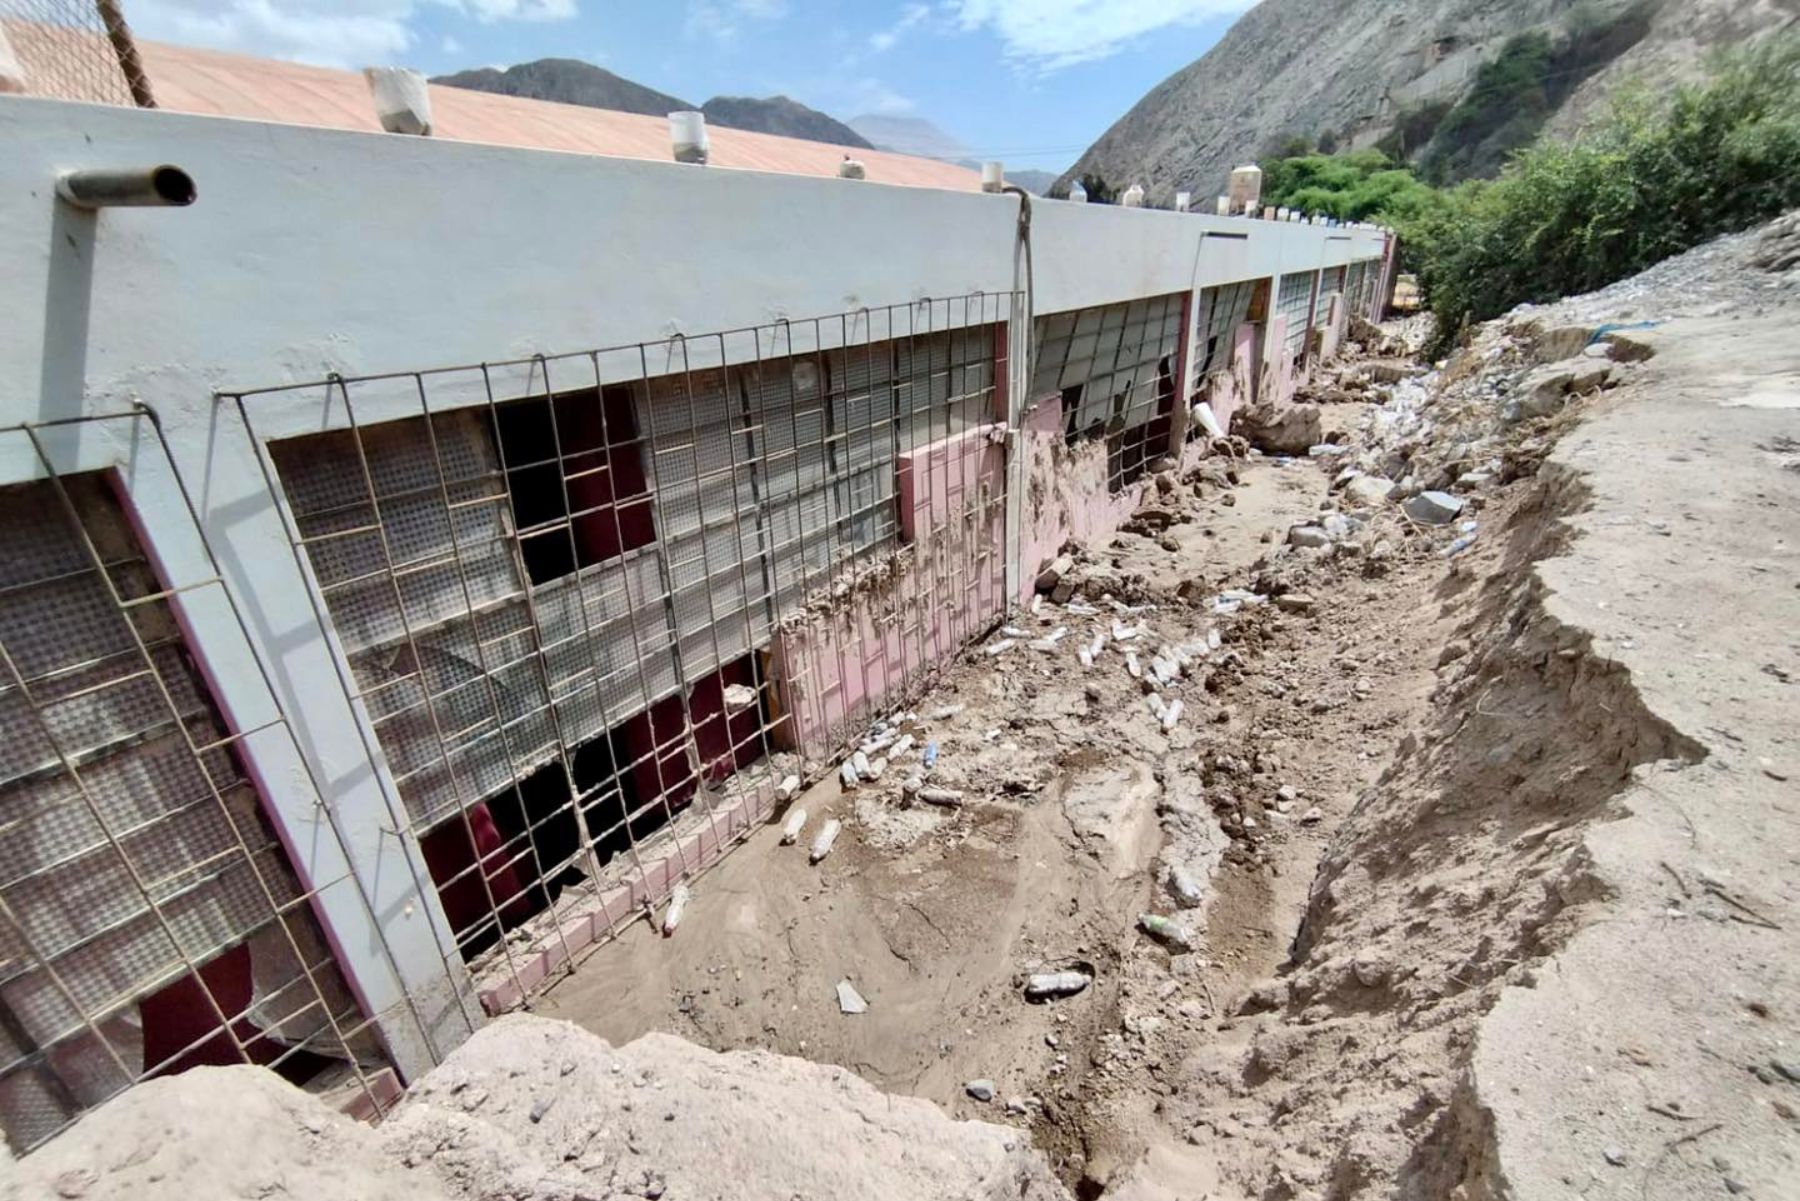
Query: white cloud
723	20
1051	34
329	33
884	39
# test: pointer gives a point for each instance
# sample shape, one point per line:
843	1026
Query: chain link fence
71	50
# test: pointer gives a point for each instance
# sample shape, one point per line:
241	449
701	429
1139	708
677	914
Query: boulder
1308	536
1288	430
1562	342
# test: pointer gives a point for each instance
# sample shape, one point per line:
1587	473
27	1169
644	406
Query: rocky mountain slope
778	114
1355	73
567	81
571	81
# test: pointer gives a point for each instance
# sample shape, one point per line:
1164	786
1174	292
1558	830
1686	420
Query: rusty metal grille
1114	368
149	918
594	608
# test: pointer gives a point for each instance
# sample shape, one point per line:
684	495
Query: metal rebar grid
150	920
1294	301
592	608
76	50
1114	367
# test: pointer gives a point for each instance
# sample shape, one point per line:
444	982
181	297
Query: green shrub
1364	185
1654	177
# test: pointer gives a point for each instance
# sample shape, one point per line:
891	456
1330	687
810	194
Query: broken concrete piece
828	833
1054	573
739	697
1434	508
849	1000
948	798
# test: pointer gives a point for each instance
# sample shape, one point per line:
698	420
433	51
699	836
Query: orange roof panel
216	84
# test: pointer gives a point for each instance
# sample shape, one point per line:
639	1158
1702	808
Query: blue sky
1031	82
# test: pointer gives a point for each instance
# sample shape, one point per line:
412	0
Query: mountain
571	81
910	135
1450	84
1035	182
568	81
778	114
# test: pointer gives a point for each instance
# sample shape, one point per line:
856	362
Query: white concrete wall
314	251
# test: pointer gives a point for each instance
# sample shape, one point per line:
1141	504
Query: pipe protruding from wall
402	100
163	186
993	176
687	137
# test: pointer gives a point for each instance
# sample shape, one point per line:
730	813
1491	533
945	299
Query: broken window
151	921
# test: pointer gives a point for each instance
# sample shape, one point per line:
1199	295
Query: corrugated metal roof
213	83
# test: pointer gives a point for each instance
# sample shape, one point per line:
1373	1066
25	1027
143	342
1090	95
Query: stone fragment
981	1090
1054	573
1434	508
1308	536
1368	491
849	1000
1295	602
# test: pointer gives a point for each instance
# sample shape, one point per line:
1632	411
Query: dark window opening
575	472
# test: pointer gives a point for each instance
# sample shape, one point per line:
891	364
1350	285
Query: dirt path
1489	855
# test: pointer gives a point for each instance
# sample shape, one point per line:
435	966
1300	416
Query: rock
1589	377
981	1090
1338	527
1312	817
1565	341
1288	430
1614	1156
849	1000
1309	536
1451	653
1054	573
739	697
1370	970
1623	347
1368	491
1389	371
1287	792
1433	508
1294	602
1544	391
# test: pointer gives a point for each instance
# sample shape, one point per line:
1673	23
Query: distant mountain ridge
910	135
567	81
572	81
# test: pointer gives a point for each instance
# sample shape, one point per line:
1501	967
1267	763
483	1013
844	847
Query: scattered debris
849	1000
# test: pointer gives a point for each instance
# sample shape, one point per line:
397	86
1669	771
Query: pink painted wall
1065	492
1232	389
942	587
1276	385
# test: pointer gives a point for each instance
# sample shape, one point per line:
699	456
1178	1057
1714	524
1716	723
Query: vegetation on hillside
1654	177
1651	178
